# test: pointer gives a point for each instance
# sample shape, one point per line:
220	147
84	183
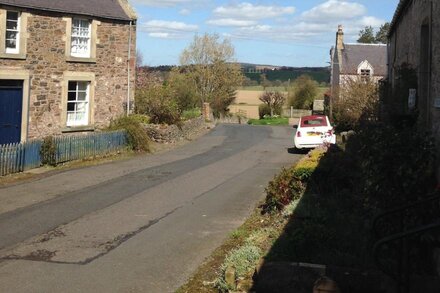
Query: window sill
87	128
13	56
80	59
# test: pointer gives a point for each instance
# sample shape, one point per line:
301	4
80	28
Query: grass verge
269	121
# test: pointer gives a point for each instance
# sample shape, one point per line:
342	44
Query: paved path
141	225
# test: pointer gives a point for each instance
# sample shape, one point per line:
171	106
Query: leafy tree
209	63
303	92
382	34
264	82
274	100
366	36
182	89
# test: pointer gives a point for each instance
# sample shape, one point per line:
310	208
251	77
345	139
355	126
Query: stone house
350	61
65	66
414	62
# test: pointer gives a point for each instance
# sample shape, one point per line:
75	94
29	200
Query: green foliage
269	121
366	36
191	113
183	90
303	92
137	136
397	164
144	119
321	75
291	183
48	151
243	260
157	102
382	34
264	111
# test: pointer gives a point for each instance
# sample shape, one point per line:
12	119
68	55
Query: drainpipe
129	70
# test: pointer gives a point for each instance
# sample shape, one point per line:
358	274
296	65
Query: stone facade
414	44
46	63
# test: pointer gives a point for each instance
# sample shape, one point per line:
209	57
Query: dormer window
81	38
12	37
365	72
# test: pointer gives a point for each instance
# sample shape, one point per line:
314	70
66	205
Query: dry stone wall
172	133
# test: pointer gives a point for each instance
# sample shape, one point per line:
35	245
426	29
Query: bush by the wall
191	114
48	151
137	136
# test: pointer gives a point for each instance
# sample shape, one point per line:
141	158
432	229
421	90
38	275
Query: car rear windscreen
313	122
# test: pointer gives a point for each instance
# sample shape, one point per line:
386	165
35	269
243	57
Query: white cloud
250	11
231	22
335	10
167	29
184	11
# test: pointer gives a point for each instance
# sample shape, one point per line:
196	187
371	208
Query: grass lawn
269	121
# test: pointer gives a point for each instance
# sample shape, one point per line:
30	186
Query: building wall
47	65
405	48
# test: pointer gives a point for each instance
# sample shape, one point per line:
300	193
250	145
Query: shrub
137	137
357	103
158	104
290	184
191	114
48	151
243	260
144	119
303	92
263	110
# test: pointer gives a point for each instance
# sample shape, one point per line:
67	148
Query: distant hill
284	73
273	73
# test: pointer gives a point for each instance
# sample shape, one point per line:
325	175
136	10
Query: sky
282	33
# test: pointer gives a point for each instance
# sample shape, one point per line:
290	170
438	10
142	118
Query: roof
110	9
399	11
355	54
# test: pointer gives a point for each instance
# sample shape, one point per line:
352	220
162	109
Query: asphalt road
142	225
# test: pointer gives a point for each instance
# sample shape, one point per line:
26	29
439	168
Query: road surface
141	225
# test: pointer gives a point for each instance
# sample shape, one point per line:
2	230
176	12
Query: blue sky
290	33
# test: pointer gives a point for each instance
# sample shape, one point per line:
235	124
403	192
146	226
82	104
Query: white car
313	131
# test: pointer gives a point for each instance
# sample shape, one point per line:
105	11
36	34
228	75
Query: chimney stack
340	38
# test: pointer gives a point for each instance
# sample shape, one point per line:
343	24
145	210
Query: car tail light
330	132
298	133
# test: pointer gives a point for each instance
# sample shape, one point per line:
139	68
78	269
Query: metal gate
11	103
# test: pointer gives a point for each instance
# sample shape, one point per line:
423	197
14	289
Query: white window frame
15	50
366	72
86	107
76	35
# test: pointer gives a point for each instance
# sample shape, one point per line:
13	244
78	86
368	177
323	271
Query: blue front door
11	103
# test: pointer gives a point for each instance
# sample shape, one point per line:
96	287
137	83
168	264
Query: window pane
82	96
12	15
72	86
11	44
82	86
70	107
12	25
71	96
81	107
10	35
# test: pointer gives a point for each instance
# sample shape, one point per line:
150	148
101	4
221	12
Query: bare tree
274	100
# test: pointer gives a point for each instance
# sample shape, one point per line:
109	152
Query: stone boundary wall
173	133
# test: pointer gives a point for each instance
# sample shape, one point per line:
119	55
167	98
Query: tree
209	63
303	92
382	34
274	100
366	36
264	82
182	89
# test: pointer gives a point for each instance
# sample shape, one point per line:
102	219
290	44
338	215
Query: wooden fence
20	157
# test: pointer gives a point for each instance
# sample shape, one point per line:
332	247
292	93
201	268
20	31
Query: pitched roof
110	9
399	11
354	54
